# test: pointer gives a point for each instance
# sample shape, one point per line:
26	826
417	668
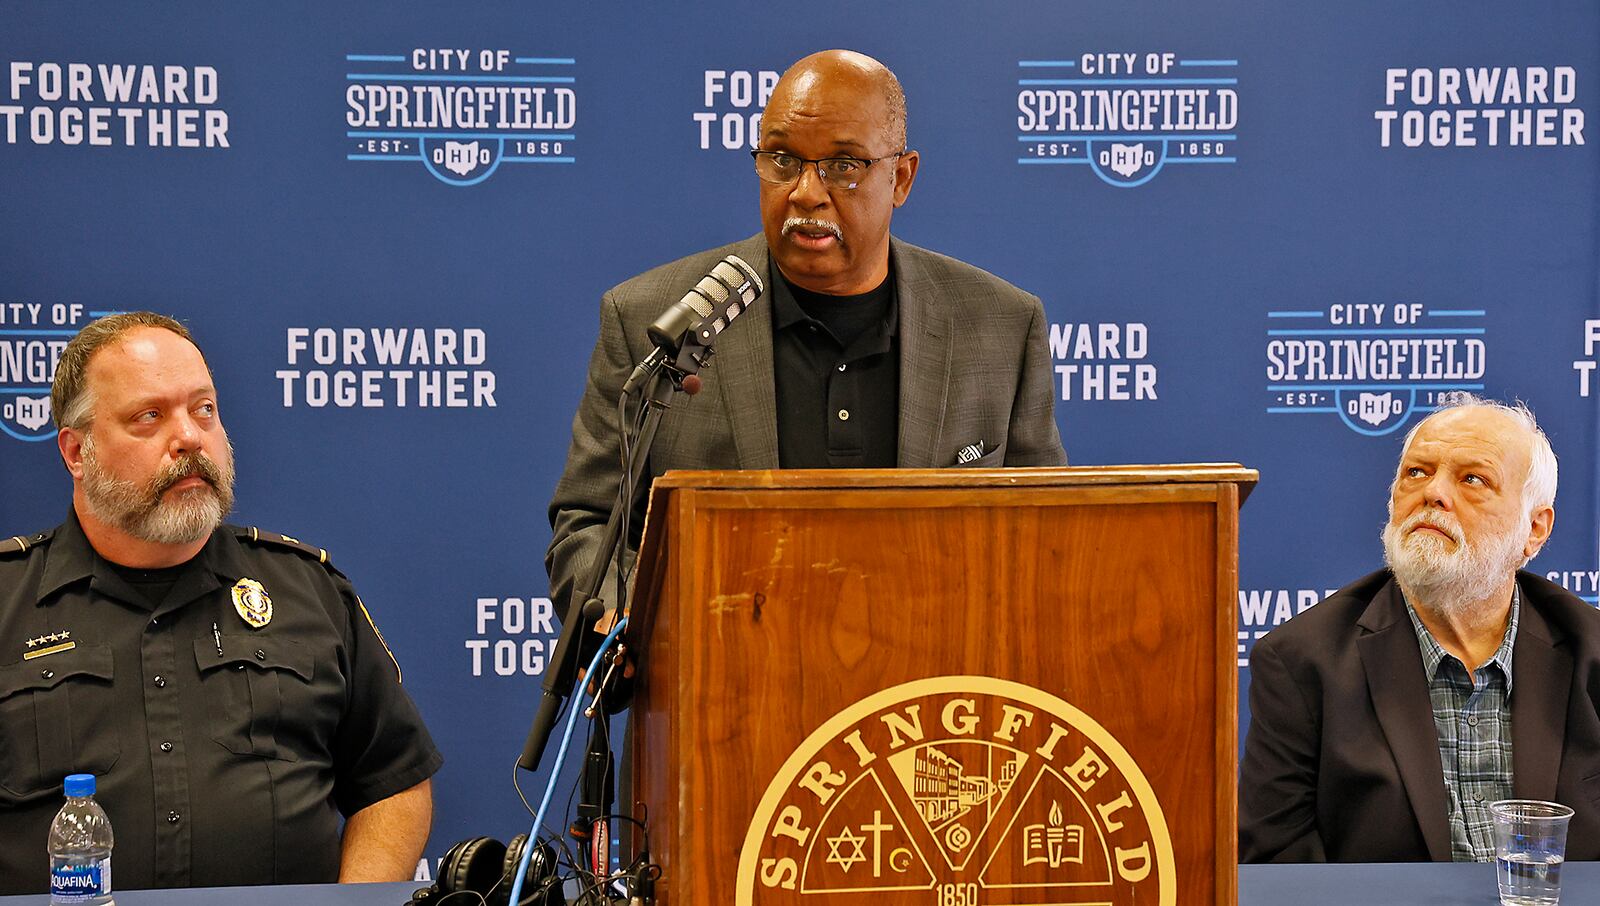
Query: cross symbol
876	829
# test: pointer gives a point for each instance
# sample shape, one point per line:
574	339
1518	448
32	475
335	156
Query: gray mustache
192	464
794	223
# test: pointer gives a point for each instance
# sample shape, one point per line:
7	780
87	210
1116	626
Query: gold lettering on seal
788	825
968	721
1014	720
1134	864
900	725
821	781
1087	769
864	755
1107	809
780	872
1048	750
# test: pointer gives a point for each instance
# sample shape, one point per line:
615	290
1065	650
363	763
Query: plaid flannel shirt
1473	720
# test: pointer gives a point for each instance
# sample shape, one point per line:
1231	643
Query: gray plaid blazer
974	368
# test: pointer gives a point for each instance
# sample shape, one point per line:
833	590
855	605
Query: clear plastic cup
1530	842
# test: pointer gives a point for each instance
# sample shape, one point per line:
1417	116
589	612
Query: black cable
627	490
517	785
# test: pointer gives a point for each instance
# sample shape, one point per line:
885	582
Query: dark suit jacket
1341	763
974	366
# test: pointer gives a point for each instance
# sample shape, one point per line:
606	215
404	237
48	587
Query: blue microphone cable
561	756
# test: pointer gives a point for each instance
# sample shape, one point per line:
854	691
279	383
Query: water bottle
80	848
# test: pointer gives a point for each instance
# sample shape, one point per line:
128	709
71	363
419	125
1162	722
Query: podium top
1063	476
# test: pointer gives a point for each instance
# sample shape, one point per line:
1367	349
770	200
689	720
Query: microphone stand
665	376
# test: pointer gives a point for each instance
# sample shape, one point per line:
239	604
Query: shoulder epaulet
21	544
273	539
265	538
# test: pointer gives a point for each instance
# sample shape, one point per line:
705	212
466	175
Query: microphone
709	308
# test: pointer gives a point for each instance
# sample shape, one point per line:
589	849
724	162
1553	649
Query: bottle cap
78	785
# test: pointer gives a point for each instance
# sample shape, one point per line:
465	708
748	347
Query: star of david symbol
841	859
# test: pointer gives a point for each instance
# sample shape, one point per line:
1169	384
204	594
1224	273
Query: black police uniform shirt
224	753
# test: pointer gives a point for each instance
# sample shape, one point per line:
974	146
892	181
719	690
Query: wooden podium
942	687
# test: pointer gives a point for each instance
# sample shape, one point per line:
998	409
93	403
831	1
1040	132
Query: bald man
1385	720
864	351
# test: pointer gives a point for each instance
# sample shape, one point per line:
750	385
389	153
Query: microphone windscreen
712	296
710	292
744	274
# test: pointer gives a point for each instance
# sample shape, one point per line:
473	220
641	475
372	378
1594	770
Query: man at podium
866	352
1387	718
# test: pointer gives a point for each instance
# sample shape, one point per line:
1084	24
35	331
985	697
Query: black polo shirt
224	754
836	371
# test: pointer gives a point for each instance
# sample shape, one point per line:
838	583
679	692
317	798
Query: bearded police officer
242	713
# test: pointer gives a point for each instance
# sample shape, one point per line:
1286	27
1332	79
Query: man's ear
905	173
70	442
1540	523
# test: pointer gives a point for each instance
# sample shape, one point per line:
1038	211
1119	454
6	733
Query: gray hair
895	97
1539	488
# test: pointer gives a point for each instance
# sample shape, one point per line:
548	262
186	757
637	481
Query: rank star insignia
48	638
48	644
252	602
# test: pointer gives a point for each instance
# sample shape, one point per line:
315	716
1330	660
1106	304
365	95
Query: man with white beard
1384	720
243	718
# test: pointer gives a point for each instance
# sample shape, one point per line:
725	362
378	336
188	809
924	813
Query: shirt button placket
160	650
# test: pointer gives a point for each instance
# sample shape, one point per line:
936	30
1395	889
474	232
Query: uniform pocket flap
50	670
260	652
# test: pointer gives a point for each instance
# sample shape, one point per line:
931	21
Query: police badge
252	602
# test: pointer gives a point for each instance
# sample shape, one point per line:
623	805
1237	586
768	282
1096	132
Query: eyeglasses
782	168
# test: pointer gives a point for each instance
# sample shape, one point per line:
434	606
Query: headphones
482	870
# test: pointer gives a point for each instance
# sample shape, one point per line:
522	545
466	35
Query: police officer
227	686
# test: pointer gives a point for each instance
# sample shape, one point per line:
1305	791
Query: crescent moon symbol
894	859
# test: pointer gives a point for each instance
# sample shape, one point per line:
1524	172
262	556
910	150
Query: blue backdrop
1263	232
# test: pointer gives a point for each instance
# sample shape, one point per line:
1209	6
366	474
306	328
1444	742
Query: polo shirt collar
786	310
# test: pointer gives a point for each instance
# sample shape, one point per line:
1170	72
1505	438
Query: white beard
143	512
1444	580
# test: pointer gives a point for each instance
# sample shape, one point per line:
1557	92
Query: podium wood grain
767	602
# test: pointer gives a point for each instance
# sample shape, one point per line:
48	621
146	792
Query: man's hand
383	841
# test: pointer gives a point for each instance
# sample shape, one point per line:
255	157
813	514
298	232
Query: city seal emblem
959	791
252	602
